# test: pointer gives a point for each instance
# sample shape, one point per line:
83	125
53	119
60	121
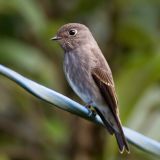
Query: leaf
29	59
29	10
138	74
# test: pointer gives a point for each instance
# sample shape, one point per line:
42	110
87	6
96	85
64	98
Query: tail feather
121	141
116	130
120	137
107	125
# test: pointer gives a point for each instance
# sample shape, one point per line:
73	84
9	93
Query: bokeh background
127	31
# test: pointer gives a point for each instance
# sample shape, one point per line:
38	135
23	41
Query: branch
63	102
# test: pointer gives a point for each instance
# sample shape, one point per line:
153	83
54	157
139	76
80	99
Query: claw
92	111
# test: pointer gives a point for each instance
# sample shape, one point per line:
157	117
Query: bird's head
72	35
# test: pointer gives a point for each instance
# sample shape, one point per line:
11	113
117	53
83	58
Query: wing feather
105	84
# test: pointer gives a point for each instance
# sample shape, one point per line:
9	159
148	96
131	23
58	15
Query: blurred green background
128	32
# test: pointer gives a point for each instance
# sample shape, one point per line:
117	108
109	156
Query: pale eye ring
72	32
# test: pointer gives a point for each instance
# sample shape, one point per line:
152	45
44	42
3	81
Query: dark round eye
73	32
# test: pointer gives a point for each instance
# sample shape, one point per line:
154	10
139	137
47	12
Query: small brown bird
89	75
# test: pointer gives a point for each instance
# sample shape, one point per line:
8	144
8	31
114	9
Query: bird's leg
90	107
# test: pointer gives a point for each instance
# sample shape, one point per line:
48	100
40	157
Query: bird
90	76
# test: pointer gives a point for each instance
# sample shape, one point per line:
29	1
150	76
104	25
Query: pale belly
84	86
80	89
80	79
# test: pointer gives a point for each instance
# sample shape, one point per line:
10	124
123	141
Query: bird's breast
77	71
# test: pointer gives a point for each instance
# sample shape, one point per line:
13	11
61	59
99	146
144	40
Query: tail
116	129
121	140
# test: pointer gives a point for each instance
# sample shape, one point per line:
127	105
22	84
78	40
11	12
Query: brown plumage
89	74
106	87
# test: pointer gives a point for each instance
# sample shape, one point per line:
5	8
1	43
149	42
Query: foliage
128	34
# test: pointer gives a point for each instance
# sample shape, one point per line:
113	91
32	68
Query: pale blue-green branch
63	102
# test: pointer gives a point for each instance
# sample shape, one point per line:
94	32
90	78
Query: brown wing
105	84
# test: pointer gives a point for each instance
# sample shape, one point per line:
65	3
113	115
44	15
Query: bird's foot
92	111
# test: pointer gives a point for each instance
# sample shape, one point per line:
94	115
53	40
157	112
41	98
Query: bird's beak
56	38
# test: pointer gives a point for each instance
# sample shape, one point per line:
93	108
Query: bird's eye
73	32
